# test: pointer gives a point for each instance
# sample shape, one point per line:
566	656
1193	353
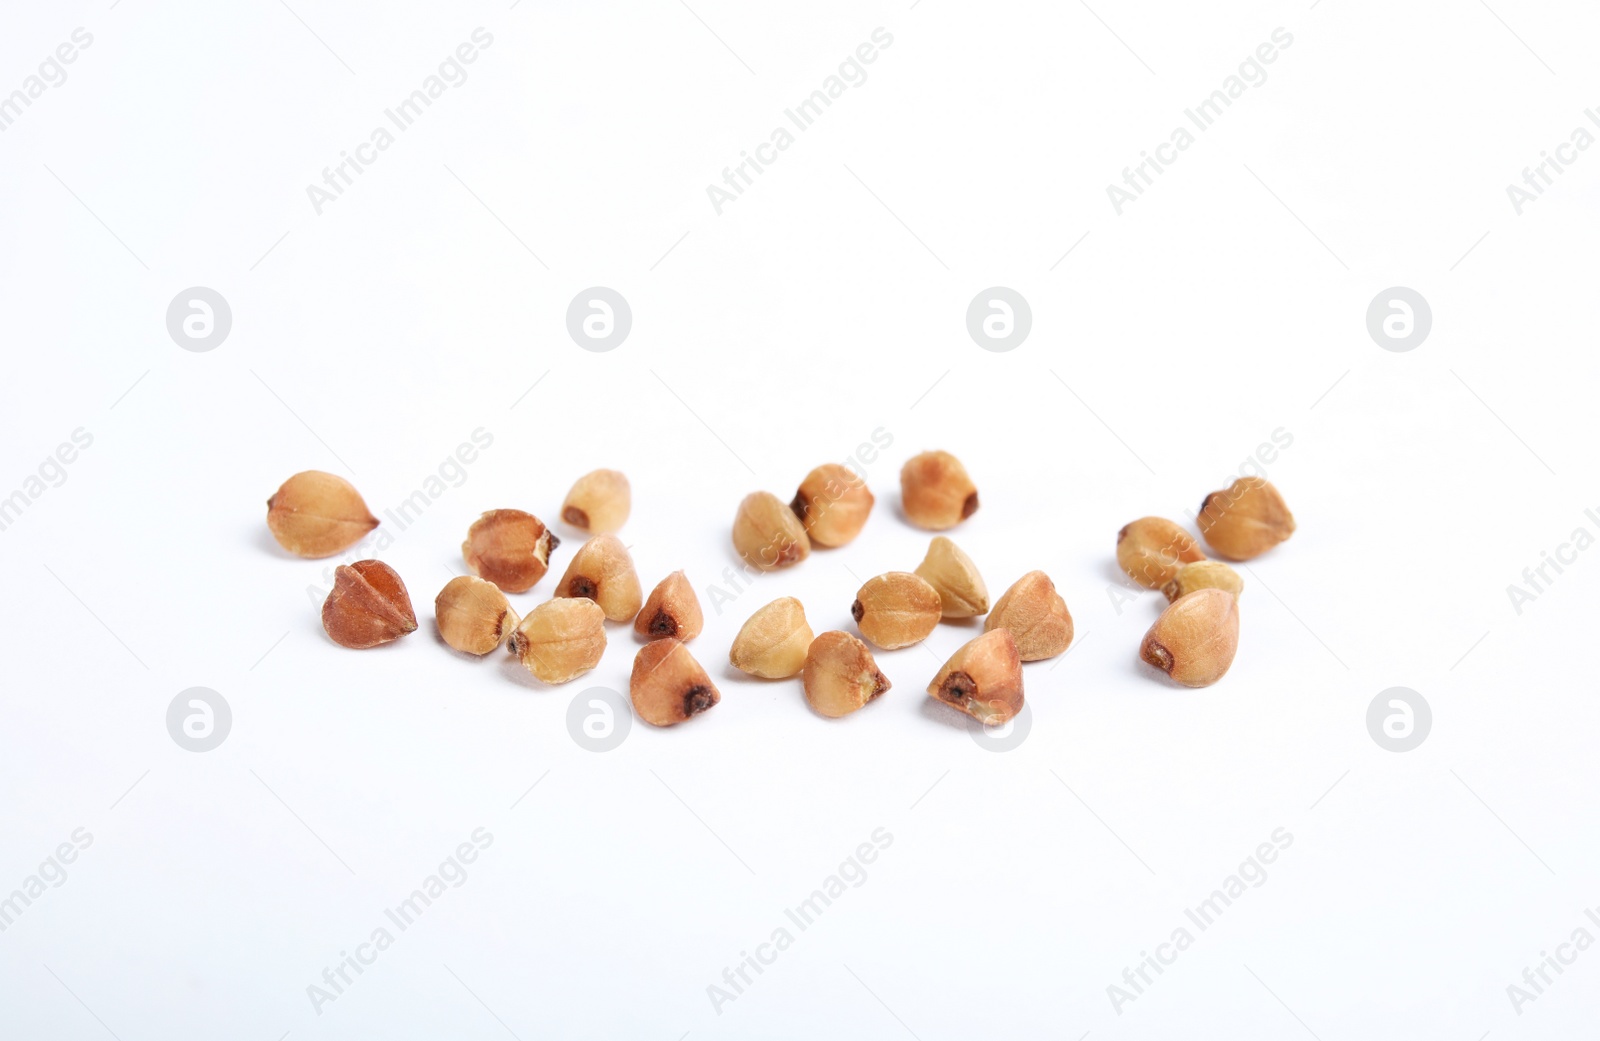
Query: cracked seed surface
316	514
510	548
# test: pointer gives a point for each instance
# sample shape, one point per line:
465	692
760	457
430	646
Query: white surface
796	323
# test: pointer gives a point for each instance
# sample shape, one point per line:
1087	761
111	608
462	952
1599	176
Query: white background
829	301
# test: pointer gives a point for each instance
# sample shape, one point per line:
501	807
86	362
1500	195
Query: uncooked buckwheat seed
1035	615
833	503
672	611
368	606
668	686
509	548
1203	574
773	642
1151	548
936	492
840	675
896	609
955	577
767	534
983	679
561	639
602	570
1195	638
316	514
473	615
1245	519
599	502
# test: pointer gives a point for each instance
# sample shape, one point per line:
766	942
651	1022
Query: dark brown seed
368	606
